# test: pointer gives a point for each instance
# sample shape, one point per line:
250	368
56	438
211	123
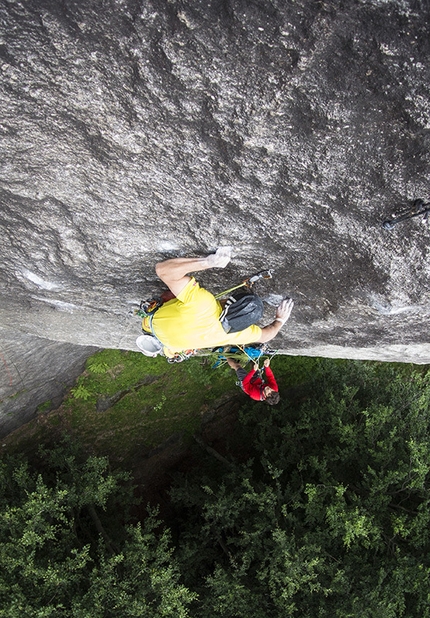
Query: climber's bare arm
283	312
174	272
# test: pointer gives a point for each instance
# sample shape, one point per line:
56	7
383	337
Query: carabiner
264	274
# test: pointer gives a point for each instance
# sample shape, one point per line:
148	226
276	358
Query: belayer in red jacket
253	385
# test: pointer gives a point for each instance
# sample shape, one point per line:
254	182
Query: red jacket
255	388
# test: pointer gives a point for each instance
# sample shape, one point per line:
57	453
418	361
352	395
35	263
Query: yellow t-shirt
191	321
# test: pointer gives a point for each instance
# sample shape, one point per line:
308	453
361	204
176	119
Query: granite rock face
136	130
35	375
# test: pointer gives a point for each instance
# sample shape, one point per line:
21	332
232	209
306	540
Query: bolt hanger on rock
419	207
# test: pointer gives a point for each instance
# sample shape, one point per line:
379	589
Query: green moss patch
125	403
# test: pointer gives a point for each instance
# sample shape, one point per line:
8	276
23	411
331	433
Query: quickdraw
264	274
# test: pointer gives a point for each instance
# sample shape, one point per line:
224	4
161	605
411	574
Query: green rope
236	287
253	360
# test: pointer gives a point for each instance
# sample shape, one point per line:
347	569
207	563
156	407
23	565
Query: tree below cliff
322	510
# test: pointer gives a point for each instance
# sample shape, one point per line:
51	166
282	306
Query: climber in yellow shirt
191	319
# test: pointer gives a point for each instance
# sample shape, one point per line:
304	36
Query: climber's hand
283	312
220	259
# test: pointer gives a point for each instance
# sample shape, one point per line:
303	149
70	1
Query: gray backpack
241	310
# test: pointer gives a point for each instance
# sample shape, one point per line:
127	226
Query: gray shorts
241	374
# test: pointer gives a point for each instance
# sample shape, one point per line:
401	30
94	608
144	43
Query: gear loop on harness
179	357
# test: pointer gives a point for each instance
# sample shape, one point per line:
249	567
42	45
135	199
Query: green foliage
331	514
64	550
156	399
80	392
325	513
147	400
158	406
142	580
44	407
97	365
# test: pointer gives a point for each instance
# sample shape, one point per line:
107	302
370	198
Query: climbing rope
253	360
264	351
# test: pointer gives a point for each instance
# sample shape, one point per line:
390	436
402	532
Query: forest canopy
323	511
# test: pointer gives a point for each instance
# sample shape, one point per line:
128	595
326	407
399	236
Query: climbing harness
418	208
146	311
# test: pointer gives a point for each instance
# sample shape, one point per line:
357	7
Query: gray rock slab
131	132
34	371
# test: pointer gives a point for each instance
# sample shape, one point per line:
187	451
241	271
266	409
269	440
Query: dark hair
273	398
